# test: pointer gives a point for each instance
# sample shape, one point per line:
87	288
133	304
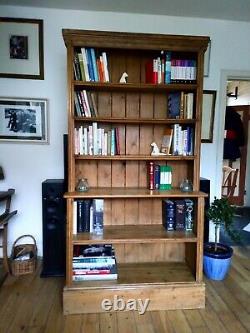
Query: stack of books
94	262
159	177
178	214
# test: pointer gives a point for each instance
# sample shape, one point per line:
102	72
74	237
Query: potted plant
217	256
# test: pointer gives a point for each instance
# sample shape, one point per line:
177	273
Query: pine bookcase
165	267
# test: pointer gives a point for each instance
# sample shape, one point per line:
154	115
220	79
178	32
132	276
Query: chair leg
5	254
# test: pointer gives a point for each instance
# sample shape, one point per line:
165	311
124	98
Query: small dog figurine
123	78
156	150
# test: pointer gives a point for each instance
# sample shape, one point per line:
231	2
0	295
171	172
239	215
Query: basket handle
24	237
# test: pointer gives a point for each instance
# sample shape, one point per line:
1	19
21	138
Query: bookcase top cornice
126	40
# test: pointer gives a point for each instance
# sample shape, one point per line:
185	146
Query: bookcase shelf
153	263
132	192
140	121
135	157
135	234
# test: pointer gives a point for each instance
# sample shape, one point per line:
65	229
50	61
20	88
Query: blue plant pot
216	264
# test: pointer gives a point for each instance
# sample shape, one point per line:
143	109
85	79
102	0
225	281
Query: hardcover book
168	214
174	100
180	211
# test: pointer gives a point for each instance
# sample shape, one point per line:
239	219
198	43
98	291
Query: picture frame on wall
208	111
24	120
21	54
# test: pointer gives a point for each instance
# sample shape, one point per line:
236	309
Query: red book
151	175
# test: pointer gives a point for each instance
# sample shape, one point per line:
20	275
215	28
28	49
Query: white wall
27	165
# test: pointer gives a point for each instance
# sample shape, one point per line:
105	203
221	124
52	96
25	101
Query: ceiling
237	10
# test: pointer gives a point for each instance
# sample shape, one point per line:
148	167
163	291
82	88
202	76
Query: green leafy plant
222	213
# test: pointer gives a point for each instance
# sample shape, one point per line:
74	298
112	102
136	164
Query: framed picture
21	52
207	60
208	109
23	120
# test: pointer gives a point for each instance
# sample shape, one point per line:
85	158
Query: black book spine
168	214
80	216
180	210
87	205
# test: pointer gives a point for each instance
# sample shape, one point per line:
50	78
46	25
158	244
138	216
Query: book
168	214
93	251
83	215
174	100
180	210
98	208
151	175
189	218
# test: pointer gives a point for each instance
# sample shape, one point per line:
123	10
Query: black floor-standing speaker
54	225
205	187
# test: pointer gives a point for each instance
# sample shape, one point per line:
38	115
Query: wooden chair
229	183
4	219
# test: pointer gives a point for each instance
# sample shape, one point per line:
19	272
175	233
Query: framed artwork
21	52
208	109
207	60
24	120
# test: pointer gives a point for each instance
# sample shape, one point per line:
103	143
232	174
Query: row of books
182	142
180	105
88	216
85	104
88	66
178	214
94	262
96	141
159	176
168	69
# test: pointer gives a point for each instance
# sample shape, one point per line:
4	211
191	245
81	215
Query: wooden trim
131	192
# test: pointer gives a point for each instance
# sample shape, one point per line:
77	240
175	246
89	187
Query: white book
91	220
105	65
76	141
95	134
85	139
88	113
81	140
190	105
90	141
85	64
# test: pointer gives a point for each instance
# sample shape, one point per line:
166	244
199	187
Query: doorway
238	101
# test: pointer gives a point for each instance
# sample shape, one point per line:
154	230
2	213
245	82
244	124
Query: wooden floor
30	304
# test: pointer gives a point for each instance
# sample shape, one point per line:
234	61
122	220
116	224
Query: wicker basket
25	266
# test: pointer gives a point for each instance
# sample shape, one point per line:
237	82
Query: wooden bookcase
165	267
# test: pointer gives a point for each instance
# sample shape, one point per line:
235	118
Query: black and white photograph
18	47
21	55
23	120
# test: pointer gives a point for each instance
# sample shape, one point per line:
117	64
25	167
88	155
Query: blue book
168	214
174	102
168	67
90	65
93	60
157	177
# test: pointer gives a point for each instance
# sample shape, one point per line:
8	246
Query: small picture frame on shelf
21	55
23	120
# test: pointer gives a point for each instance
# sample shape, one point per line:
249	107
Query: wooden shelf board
148	233
135	121
141	274
131	192
135	157
143	87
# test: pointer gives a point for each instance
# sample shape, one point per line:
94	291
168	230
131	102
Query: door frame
225	76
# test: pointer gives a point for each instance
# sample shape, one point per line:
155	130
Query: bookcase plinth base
161	297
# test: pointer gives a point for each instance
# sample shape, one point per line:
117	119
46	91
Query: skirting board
161	297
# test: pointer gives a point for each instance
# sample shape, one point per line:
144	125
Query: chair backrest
229	183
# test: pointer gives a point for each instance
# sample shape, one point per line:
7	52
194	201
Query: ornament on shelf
82	185
123	78
186	186
156	150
